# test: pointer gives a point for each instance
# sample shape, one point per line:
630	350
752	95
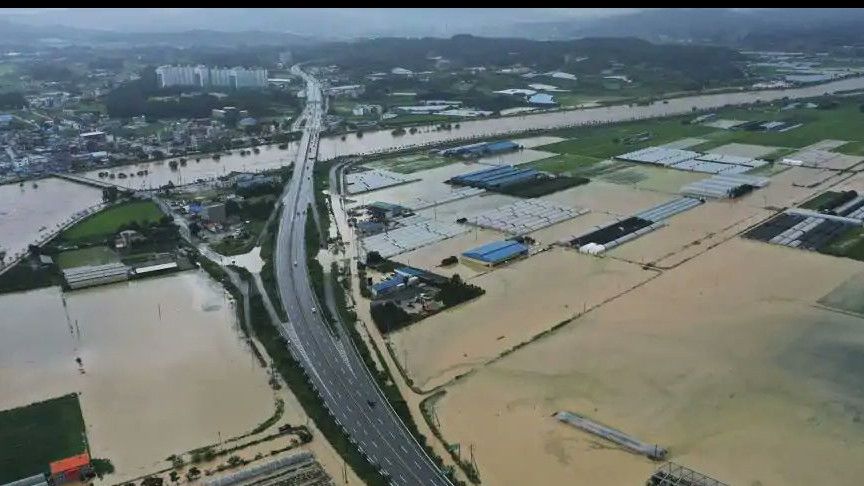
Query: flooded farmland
28	212
725	360
522	299
165	369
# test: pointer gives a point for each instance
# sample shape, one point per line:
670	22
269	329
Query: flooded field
522	299
165	368
382	140
516	158
652	178
725	360
609	198
430	187
691	232
28	213
160	172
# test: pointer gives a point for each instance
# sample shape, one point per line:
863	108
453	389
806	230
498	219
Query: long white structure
204	76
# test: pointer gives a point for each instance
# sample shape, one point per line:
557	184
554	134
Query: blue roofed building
542	99
5	120
496	253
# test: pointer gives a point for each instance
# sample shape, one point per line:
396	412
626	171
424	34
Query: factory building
495	253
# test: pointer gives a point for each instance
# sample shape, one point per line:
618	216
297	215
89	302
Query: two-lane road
330	360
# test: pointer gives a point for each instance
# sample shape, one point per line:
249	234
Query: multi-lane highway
329	358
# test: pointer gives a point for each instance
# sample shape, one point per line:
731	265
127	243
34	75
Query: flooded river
28	213
384	140
160	172
166	369
271	157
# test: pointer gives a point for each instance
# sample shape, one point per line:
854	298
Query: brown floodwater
29	213
725	360
160	172
166	369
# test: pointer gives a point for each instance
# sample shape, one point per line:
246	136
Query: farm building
383	210
75	468
496	253
500	176
91	275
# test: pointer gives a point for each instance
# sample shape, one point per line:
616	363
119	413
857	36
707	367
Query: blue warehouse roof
497	251
388	284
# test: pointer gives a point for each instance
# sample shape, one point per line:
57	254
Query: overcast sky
330	22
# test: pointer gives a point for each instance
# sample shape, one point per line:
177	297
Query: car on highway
295	263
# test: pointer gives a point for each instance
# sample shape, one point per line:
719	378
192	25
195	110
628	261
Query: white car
313	310
295	263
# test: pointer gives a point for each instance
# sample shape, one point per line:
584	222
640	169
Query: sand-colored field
684	143
787	187
166	370
691	233
606	197
522	299
724	360
744	150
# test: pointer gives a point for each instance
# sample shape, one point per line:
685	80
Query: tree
374	258
193	473
152	481
174	476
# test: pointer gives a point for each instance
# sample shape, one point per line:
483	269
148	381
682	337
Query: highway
329	357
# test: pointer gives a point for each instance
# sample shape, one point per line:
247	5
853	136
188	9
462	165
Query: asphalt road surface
329	358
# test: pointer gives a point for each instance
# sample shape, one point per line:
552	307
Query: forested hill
696	62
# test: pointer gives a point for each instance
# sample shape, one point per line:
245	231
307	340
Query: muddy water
160	172
724	360
384	140
25	210
166	370
522	299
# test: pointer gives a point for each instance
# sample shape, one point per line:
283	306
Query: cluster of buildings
204	77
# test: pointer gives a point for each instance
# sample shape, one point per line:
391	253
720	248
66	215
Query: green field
97	255
35	435
108	222
407	164
585	145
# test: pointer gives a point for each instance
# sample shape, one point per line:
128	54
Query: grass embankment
268	277
106	223
34	435
97	255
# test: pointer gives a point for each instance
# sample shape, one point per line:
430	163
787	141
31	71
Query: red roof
70	463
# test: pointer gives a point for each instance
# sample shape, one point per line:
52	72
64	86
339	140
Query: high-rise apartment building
205	77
